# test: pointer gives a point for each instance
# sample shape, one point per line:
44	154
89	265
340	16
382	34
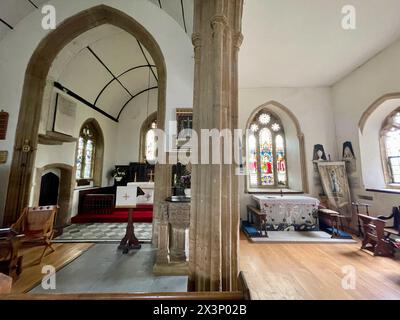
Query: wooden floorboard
315	271
32	275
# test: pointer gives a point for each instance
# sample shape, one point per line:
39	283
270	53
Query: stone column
179	219
163	236
214	225
162	190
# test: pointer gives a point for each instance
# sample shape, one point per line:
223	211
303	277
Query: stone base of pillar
171	269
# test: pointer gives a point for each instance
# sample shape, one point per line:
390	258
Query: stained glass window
253	170
266	150
86	153
391	138
151	143
266	158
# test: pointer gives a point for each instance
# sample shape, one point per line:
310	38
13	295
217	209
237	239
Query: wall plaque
3	124
3	157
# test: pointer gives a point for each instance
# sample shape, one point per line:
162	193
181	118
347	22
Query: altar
289	212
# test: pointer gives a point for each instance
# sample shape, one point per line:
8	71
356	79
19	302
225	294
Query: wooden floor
314	271
32	275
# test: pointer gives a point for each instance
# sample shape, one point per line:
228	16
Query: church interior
107	190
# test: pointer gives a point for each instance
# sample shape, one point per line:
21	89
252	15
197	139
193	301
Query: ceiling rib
119	76
32	3
138	94
183	16
147	60
108	69
7	24
83	100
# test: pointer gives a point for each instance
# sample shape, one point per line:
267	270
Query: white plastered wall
18	46
351	97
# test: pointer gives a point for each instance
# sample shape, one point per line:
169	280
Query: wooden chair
10	261
375	237
37	225
5	284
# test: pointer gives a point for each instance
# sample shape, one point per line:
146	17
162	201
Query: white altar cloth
148	189
289	212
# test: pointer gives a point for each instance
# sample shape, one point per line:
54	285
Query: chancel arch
291	166
26	141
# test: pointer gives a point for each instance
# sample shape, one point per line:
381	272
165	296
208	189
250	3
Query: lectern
126	199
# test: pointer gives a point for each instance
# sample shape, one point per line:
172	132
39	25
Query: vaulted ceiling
107	68
287	43
301	43
13	11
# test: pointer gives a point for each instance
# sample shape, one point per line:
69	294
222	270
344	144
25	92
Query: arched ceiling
13	11
107	68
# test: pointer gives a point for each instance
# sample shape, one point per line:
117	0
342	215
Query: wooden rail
243	294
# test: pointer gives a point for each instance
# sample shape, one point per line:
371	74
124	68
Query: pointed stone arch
26	139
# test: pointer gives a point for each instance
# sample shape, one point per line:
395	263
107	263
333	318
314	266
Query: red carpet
140	214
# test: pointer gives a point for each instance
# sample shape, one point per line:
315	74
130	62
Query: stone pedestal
171	255
214	226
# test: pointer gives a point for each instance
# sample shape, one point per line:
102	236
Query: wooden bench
259	219
375	237
332	219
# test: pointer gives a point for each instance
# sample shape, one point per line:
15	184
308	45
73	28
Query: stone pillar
162	190
179	219
163	236
214	225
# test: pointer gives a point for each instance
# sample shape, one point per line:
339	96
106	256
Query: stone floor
104	269
103	232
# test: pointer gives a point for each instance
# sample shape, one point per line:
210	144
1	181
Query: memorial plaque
3	157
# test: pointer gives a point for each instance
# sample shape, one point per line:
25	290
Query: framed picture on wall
184	119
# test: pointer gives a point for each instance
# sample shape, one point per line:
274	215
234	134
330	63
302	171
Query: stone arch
299	133
99	158
26	139
375	105
374	167
67	184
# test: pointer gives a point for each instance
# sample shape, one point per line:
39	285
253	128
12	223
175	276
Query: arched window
148	142
266	151
89	154
86	153
390	137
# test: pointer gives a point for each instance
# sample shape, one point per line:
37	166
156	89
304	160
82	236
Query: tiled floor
104	269
103	232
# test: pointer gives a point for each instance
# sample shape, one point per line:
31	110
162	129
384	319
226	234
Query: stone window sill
385	190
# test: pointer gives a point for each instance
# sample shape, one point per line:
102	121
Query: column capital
219	20
196	40
238	40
